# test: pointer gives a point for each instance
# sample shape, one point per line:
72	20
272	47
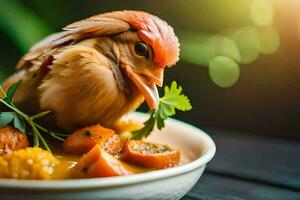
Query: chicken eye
142	49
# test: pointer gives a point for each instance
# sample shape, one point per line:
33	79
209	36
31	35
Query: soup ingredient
172	100
127	125
12	139
83	140
98	163
156	156
29	163
97	69
66	163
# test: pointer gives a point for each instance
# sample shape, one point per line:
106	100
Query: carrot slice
83	140
98	163
11	139
157	156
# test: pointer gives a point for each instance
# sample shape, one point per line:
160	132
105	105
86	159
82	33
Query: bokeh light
224	71
242	39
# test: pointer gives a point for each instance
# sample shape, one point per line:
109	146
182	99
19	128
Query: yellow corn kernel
29	163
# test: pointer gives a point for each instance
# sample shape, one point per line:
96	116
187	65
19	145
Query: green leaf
160	122
19	123
6	118
11	91
166	110
173	99
146	130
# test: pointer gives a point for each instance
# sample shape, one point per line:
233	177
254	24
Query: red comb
155	32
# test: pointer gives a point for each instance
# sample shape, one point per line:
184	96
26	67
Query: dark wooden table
249	166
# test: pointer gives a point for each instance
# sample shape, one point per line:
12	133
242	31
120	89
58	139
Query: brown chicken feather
97	69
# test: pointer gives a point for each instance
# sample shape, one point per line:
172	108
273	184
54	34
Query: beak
146	83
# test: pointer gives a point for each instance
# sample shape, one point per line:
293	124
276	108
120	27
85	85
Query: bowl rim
91	183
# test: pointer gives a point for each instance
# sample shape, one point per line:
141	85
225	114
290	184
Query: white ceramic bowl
197	150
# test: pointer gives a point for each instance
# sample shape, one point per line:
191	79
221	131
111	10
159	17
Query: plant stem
55	136
2	91
61	134
35	131
40	127
36	141
36	134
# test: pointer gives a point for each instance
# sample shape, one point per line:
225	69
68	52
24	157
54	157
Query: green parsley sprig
19	119
171	101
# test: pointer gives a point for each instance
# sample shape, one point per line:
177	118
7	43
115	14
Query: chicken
97	69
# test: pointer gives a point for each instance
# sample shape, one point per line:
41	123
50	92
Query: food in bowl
12	139
28	163
90	152
196	148
71	91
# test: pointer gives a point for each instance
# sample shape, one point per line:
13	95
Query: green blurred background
240	59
